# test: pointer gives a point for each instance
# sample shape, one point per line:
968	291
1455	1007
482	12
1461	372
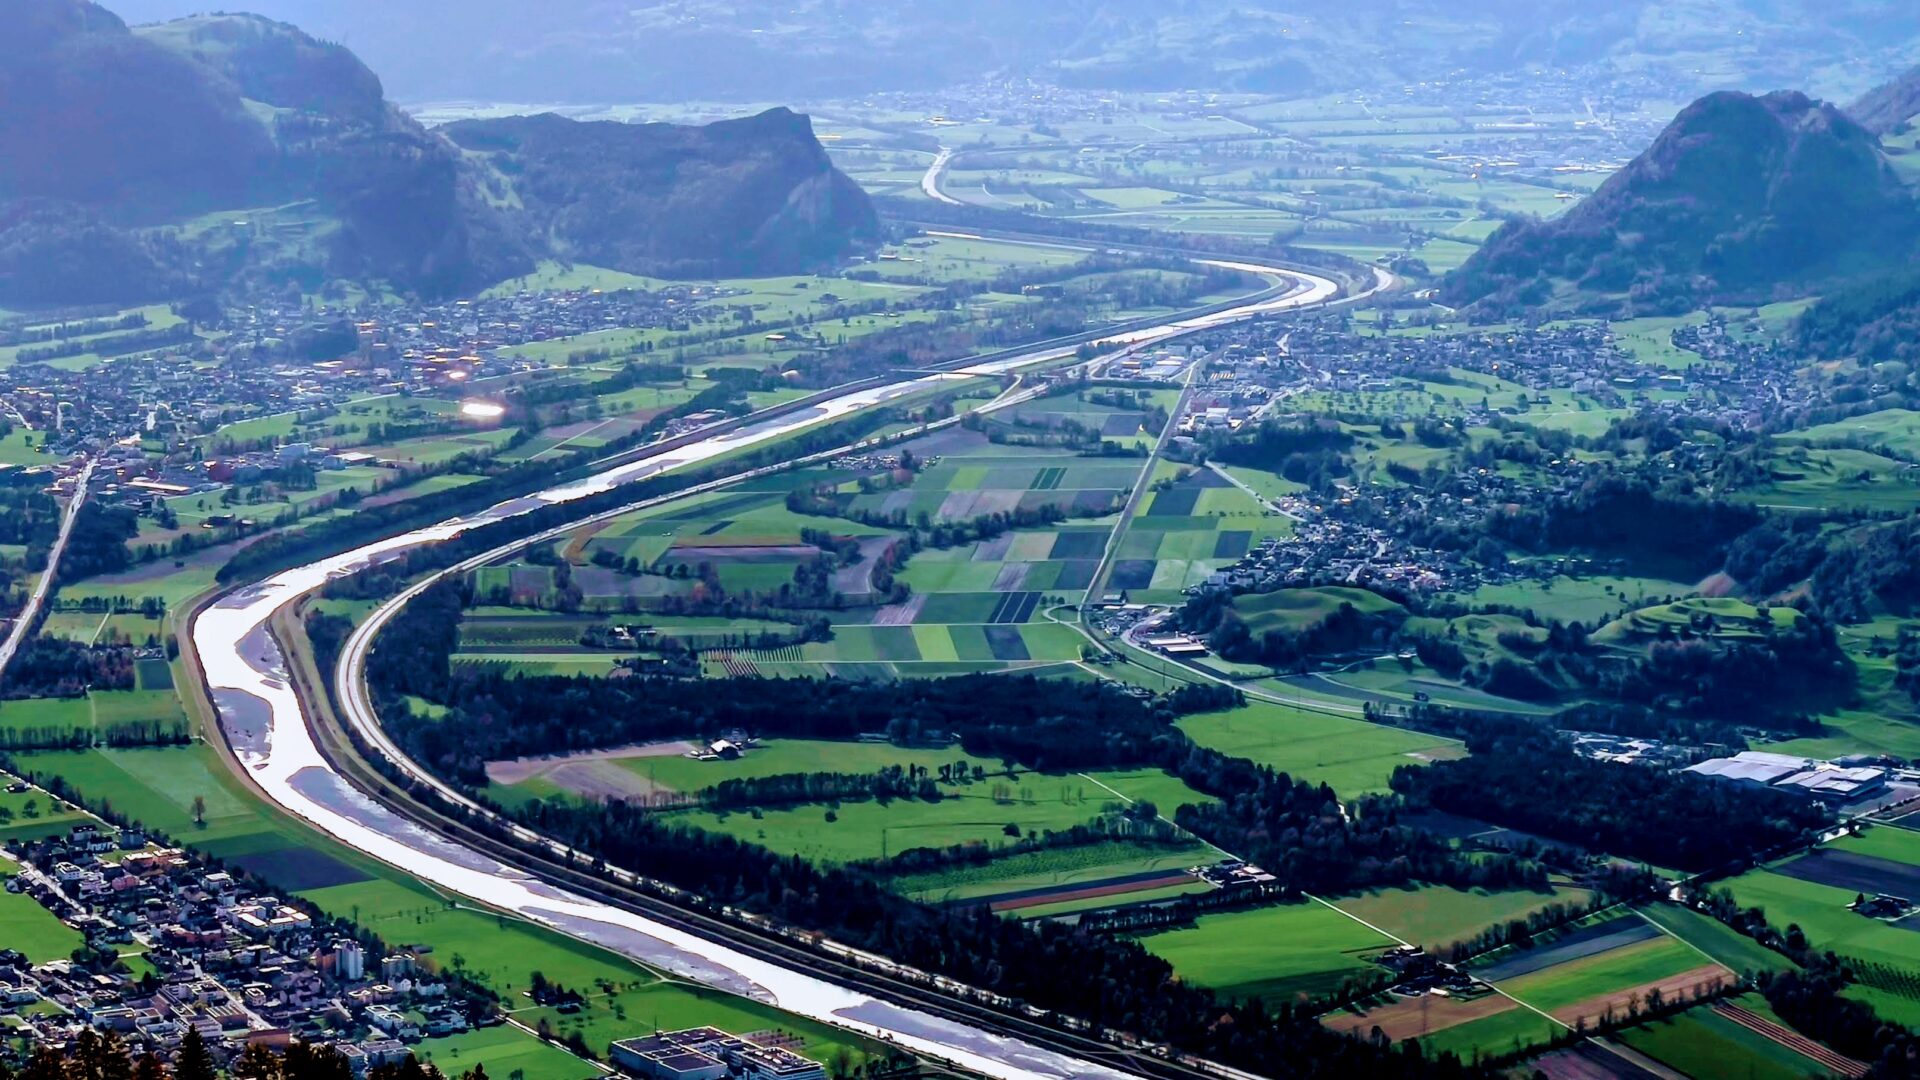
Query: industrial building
1807	777
707	1053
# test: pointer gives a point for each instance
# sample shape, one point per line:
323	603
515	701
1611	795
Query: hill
1889	106
143	163
1740	197
729	198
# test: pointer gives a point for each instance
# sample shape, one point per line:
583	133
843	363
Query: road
1097	585
30	614
930	183
1257	497
266	724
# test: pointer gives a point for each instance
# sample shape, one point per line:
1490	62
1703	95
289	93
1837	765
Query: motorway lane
930	183
264	721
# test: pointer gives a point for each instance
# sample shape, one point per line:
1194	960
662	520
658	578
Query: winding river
263	719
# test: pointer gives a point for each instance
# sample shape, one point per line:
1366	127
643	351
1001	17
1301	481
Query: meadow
1352	756
1700	1042
990	812
1436	916
1275	954
29	928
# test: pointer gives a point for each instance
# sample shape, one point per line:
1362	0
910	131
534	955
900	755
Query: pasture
29	928
1352	756
1702	1042
1435	916
1594	987
993	812
1275	954
502	1051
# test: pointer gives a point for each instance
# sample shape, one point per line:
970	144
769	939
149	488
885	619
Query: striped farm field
1592	987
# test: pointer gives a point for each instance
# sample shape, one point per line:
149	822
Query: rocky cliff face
113	138
1740	195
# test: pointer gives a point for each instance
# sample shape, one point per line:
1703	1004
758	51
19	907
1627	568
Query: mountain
1740	197
726	199
1889	106
597	51
216	149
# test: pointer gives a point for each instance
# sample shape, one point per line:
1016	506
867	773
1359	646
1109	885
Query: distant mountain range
758	50
138	163
1741	197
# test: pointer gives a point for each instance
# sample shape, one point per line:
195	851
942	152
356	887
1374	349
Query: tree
194	1062
200	810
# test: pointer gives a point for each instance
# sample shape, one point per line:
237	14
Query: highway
930	183
267	725
30	614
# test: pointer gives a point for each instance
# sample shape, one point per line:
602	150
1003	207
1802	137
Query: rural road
265	722
30	614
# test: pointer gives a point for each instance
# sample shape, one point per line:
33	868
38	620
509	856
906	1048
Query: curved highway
266	724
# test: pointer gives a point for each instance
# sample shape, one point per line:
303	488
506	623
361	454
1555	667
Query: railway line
276	725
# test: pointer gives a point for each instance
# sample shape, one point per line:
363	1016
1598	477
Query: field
28	927
1713	937
1815	892
982	812
503	1051
1603	984
668	768
1195	522
1296	611
1702	1042
34	814
1275	954
1585	971
47	719
1503	1032
1352	756
1435	917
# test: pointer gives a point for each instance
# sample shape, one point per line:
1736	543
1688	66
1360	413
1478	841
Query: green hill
1740	197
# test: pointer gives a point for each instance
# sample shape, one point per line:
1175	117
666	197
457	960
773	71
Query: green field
1583	599
1701	1043
503	1051
1276	954
980	812
1501	1033
30	928
1715	938
1354	757
1609	972
1046	869
1435	916
1821	911
1298	610
779	756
